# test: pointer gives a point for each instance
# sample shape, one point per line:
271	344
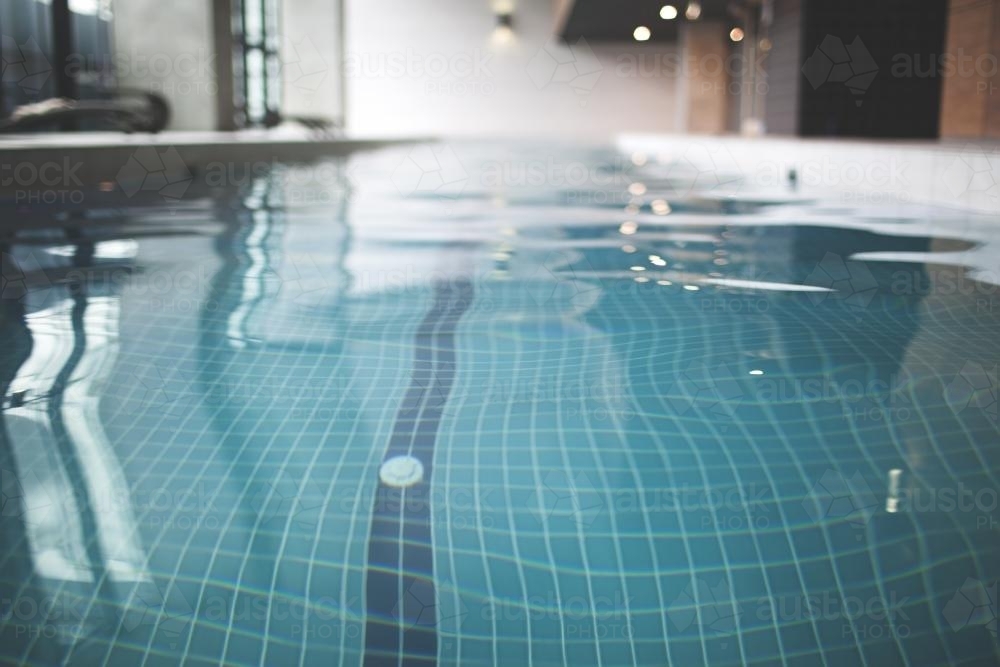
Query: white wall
310	55
428	67
166	47
415	68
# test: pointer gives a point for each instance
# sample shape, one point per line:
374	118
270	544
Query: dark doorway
872	69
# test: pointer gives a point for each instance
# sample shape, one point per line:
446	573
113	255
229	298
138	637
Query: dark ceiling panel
615	20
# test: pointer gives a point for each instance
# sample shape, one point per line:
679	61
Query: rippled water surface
498	406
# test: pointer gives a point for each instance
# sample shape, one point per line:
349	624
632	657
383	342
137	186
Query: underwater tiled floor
656	425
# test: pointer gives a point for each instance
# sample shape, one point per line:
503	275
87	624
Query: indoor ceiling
616	20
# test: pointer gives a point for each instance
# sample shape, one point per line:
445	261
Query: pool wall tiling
500	405
958	175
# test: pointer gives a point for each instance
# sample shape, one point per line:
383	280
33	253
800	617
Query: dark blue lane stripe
401	626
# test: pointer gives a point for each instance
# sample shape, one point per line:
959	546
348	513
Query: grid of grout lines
540	553
587	581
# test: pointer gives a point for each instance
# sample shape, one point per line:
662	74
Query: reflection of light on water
764	285
253	281
660	206
668	12
502	35
981	260
116	249
53	518
892	500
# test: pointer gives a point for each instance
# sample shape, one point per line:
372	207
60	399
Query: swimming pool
498	405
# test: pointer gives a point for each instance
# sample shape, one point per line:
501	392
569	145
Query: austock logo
704	169
20	276
851	282
23	64
433	391
287	501
303	65
710	390
834	62
974	174
713	608
574	65
838	497
168	392
425	606
149	170
974	604
430	169
562	495
164	609
559	281
25	497
299	277
975	386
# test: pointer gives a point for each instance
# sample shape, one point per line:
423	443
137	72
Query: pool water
488	405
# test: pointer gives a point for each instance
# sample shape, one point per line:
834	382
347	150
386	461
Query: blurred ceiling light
668	12
693	11
641	34
892	501
502	35
637	189
628	228
736	34
502	6
765	45
83	7
638	159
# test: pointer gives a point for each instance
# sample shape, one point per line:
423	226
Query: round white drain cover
401	472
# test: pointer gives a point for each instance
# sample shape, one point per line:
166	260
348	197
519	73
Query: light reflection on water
675	418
